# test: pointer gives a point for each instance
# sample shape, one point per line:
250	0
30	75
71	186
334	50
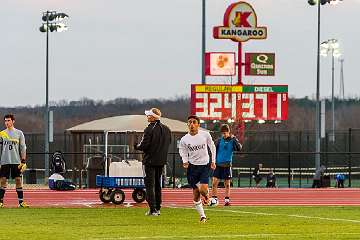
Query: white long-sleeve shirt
193	149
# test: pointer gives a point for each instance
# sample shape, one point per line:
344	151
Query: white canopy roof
126	123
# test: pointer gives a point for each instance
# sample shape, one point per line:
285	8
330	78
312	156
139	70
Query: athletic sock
227	199
199	208
2	193
215	197
20	194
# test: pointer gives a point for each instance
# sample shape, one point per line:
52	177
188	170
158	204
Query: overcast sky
152	49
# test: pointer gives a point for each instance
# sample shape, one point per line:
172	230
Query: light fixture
43	28
330	46
61	16
61	27
52	21
334	2
322	2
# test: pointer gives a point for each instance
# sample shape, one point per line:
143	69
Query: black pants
317	183
340	183
153	186
270	184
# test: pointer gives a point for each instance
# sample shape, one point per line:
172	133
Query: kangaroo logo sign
240	24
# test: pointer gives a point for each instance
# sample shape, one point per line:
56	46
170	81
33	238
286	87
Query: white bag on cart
130	168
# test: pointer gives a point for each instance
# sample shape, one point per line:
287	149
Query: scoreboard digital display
241	102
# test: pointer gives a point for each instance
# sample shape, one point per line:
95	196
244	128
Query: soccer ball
213	202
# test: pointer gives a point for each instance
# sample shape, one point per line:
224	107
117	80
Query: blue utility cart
110	187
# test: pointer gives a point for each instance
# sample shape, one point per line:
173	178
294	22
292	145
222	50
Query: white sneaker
149	213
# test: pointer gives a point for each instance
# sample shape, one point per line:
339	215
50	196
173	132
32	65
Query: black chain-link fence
290	155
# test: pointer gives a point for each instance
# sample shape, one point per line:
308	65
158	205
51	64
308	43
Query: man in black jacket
155	144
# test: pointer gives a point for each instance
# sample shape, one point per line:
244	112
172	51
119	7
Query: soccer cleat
23	205
158	212
1	205
149	213
203	220
226	204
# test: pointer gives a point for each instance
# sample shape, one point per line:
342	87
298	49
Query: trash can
95	166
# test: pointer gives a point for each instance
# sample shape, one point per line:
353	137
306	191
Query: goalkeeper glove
22	166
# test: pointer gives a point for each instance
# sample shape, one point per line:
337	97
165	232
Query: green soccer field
181	223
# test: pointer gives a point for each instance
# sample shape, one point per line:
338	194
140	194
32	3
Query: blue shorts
198	174
222	173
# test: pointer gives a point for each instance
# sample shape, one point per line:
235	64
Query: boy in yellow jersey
13	158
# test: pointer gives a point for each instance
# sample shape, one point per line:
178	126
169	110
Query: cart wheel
104	195
117	196
139	195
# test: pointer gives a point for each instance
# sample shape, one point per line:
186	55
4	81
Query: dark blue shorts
198	174
222	173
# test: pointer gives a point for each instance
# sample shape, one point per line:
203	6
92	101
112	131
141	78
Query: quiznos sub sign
240	24
260	64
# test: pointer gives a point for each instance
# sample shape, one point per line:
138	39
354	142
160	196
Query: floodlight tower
318	118
331	46
52	21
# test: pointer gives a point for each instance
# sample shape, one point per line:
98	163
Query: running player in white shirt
194	153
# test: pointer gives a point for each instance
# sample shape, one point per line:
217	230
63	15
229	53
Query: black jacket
155	144
256	172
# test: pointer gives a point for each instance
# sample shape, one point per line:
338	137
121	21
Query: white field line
277	214
87	205
233	236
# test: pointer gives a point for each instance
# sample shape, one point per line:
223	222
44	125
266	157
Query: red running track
183	197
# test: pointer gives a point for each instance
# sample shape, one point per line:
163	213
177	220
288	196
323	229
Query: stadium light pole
51	22
318	117
331	46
